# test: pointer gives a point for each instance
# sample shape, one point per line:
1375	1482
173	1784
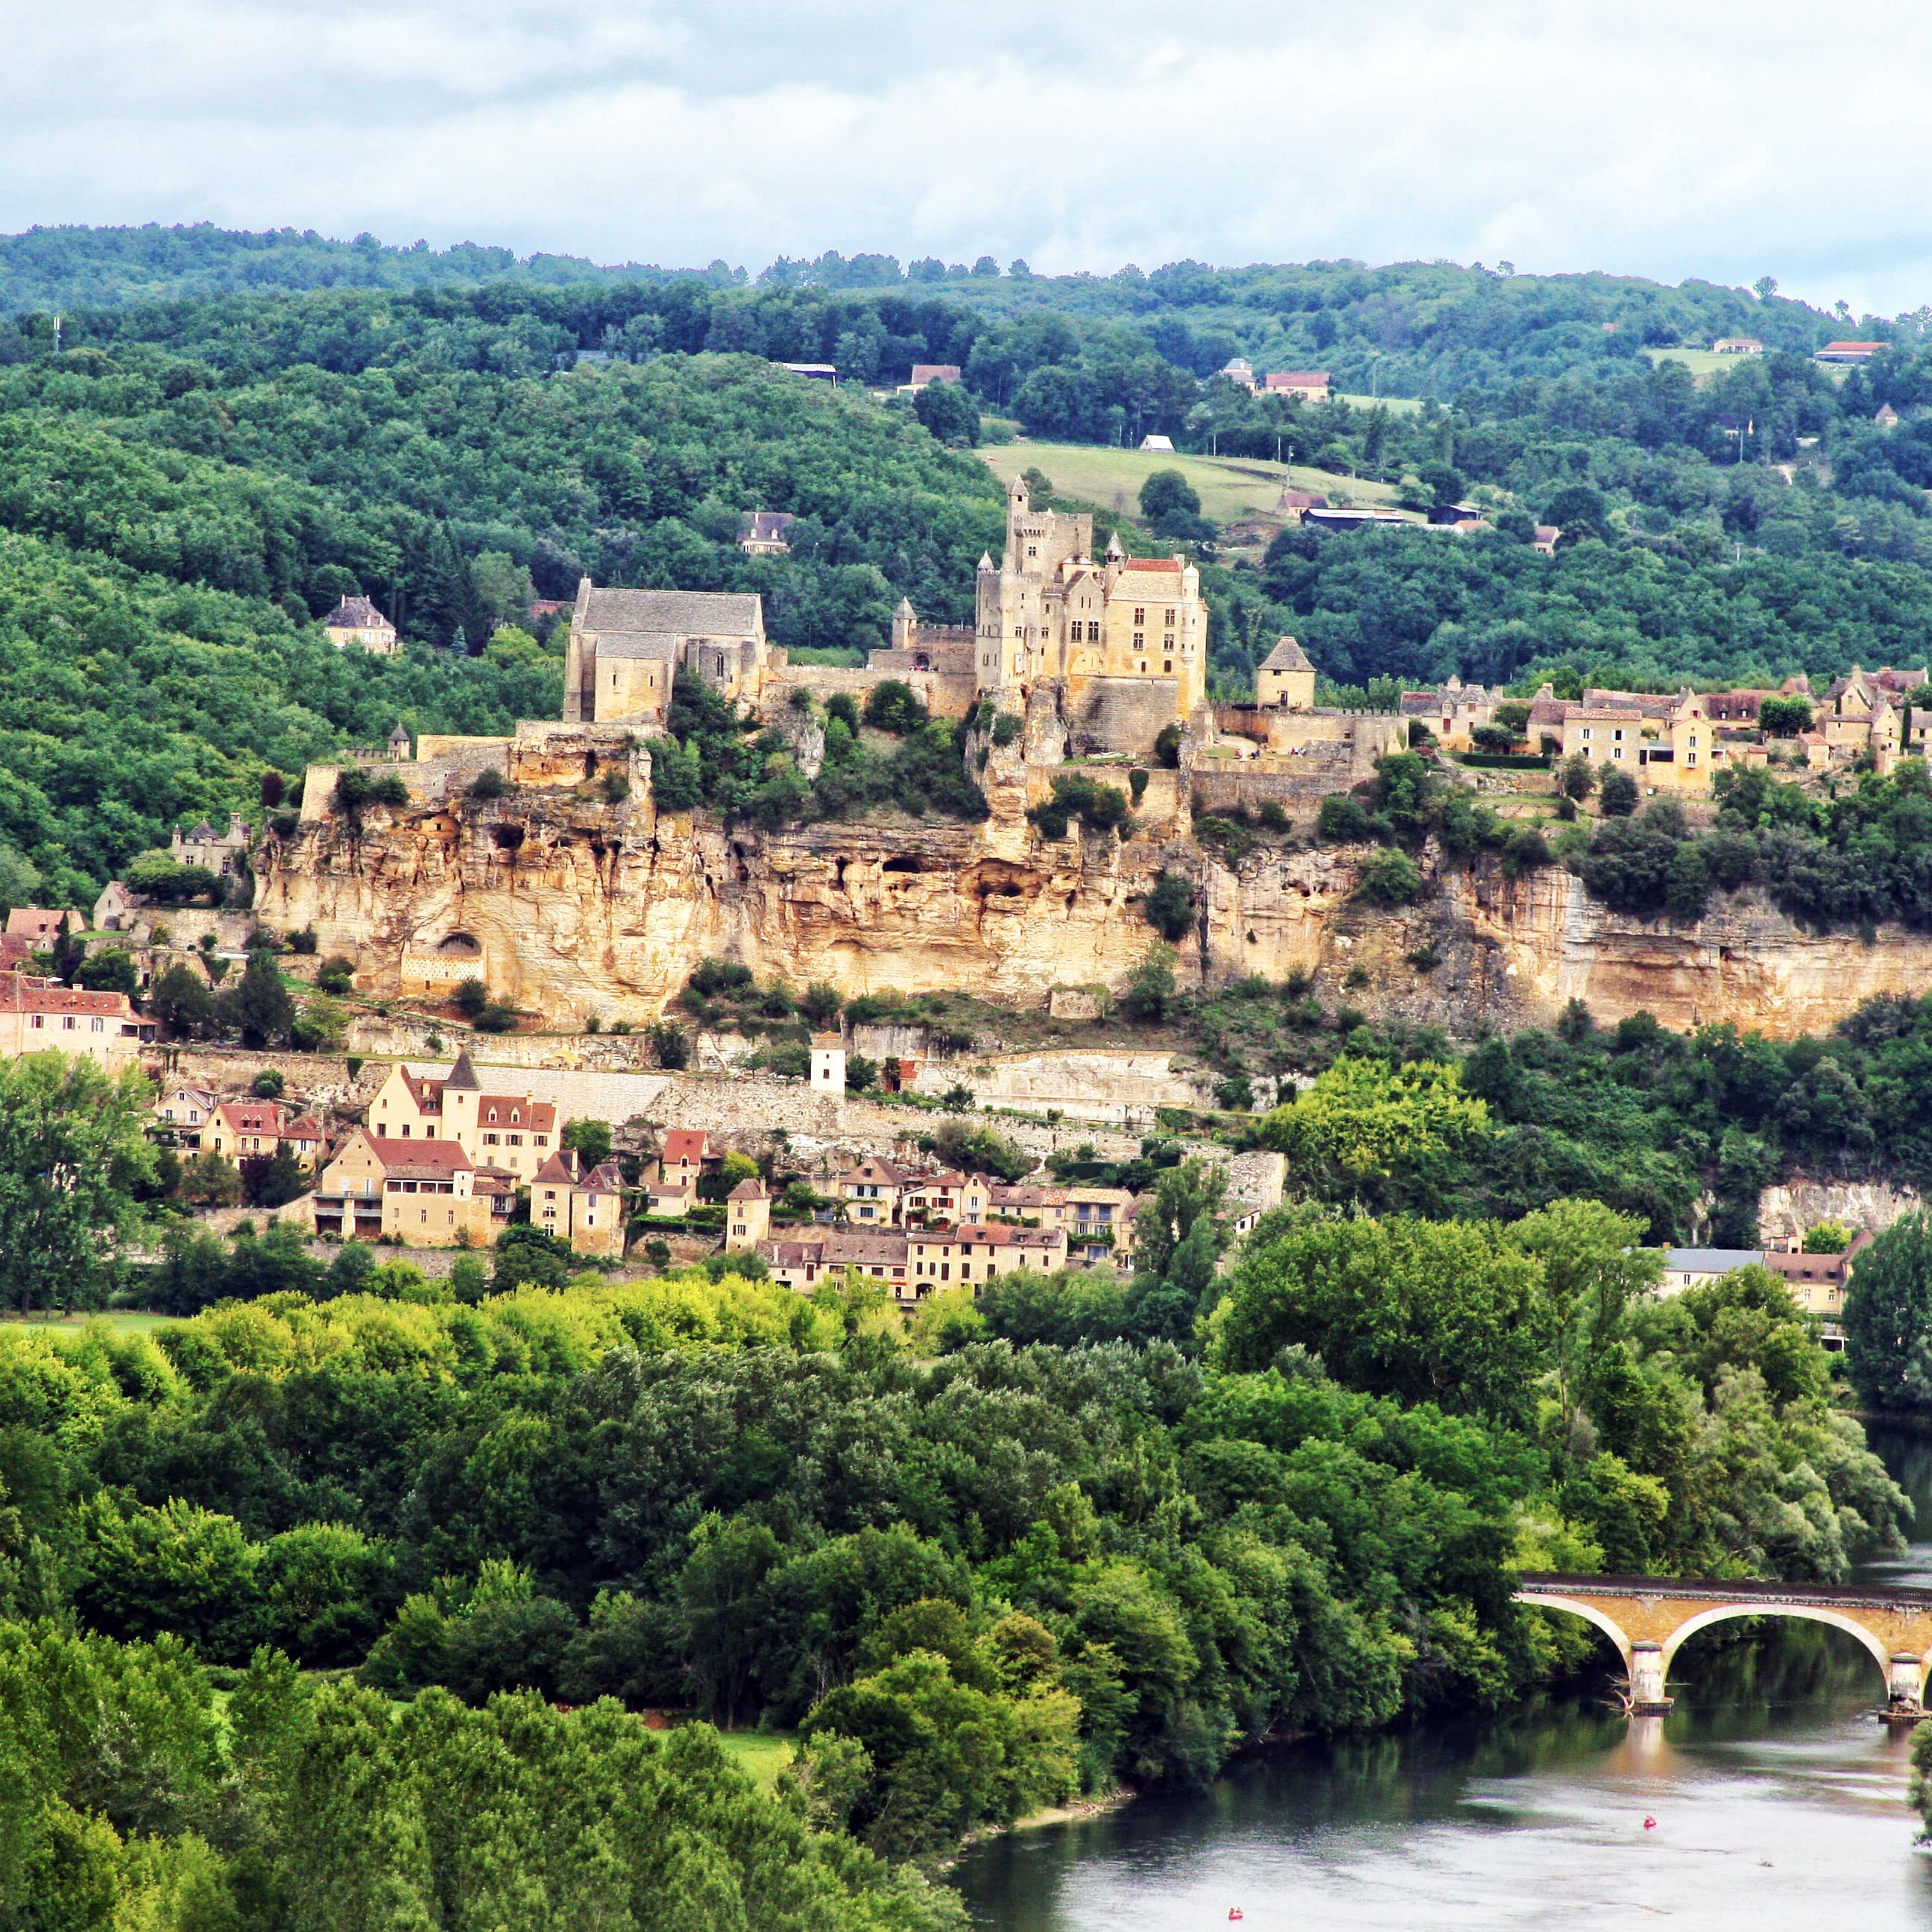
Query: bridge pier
1902	1685
1648	1698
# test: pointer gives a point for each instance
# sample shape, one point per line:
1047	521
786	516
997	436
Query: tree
1150	987
210	1179
1576	777
1169	906
259	1008
1785	717
948	413
110	970
336	975
470	996
181	1003
1450	1312
1888	1316
1616	793
893	705
280	1181
1167	492
820	1004
1389	877
72	1150
590	1139
1394	1136
268	1085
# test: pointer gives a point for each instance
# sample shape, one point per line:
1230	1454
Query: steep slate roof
606	1178
677	613
354	613
462	1077
1711	1261
553	1174
750	1189
1287	655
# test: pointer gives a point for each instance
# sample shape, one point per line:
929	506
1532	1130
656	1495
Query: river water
1778	1802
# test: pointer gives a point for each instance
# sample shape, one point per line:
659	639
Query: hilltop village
434	879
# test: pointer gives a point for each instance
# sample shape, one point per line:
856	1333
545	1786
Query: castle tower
460	1088
904	623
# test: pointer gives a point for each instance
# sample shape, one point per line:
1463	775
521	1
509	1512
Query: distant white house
1162	442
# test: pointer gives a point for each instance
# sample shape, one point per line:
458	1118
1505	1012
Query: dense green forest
977	1572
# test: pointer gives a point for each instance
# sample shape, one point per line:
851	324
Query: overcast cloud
1727	142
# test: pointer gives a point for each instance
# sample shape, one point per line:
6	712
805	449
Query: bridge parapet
1648	1619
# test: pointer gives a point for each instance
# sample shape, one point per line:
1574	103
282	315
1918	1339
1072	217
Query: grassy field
1396	406
761	1755
1232	489
131	1320
1703	363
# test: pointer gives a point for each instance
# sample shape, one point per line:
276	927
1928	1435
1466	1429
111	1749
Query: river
1778	1803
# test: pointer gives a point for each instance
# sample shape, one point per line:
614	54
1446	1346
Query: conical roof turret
462	1076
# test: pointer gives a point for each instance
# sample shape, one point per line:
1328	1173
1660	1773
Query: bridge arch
1591	1613
1817	1613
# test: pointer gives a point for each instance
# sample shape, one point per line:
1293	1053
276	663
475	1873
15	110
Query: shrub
487	783
716	976
1616	794
1345	820
303	942
1006	726
1137	785
1577	776
268	1085
1169	908
1150	987
496	1018
1389	877
893	705
820	1004
336	975
470	998
1167	747
671	1046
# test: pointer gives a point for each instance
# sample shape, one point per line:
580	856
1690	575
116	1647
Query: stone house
763	532
182	1110
355	620
1310	385
585	1209
950	1196
40	925
803	1261
40	1016
747	1216
242	1130
873	1190
223	853
976	1252
687	1154
421	1192
512	1132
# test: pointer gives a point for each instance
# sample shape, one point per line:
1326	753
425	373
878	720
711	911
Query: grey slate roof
677	613
1287	655
462	1077
1711	1261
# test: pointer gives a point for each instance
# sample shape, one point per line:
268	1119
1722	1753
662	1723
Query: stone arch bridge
1649	1618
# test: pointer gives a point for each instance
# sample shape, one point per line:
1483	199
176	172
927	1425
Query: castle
1124	639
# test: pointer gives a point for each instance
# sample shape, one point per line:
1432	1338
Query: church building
626	646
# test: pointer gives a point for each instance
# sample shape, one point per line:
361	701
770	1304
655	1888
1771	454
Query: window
1140	641
1167	618
99	1026
1617	734
1690	757
1140	614
490	1140
516	1140
1586	739
38	1021
1616	750
1167	667
541	1140
66	1024
406	1130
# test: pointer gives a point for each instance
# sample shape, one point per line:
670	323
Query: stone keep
1051	613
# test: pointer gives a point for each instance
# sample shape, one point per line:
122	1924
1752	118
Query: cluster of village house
441	1162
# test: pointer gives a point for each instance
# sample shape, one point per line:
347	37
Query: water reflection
1779	1803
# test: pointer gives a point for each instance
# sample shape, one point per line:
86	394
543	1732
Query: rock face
584	908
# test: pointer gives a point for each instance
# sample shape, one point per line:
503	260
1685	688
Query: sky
1726	141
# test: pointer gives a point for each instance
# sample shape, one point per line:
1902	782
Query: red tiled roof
303	1129
1172	563
994	1235
399	1156
553	1174
242	1118
513	1110
27	994
686	1146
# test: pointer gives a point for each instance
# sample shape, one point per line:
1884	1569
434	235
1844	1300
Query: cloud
1743	140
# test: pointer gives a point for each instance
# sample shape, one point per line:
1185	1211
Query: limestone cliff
577	906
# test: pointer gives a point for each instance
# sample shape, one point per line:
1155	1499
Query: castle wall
1121	714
